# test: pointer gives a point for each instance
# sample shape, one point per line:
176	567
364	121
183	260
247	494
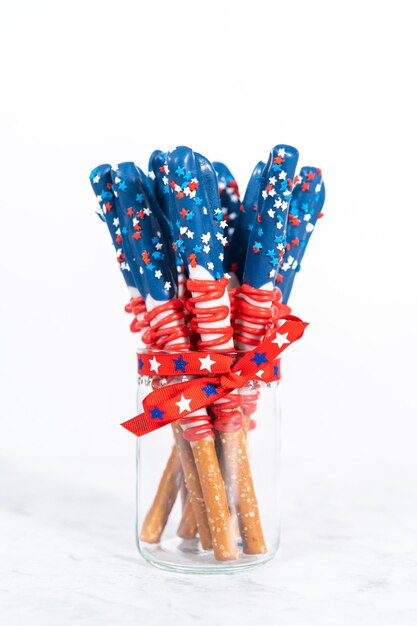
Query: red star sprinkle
294	220
180	195
184	213
192	186
192	259
130	211
109	206
145	257
137	236
295	241
305	186
278	160
310	176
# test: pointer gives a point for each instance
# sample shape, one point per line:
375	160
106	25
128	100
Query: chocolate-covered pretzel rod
146	250
194	190
229	200
102	185
305	209
243	227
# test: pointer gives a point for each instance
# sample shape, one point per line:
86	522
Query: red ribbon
172	402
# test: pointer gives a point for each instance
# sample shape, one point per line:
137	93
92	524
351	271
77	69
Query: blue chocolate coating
102	185
306	205
157	171
195	211
143	239
240	238
267	238
229	199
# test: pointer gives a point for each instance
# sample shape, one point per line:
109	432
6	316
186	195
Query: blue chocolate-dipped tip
157	171
244	224
230	201
143	239
195	210
102	185
305	208
267	239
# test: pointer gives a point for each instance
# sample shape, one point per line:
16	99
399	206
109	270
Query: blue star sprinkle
140	364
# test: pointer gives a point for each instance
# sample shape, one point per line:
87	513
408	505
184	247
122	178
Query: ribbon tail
142	424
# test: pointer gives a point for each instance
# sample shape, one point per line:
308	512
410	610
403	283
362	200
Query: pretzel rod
305	209
146	250
102	185
210	306
187	528
157	516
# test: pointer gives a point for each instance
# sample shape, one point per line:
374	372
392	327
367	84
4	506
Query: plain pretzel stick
157	516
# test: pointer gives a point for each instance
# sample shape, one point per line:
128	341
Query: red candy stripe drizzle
209	290
136	306
227	416
245	313
195	433
159	335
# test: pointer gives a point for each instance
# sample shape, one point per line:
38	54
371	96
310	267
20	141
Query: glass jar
248	458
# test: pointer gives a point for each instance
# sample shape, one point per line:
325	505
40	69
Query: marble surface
348	554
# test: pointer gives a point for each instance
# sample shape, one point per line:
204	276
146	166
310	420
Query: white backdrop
90	82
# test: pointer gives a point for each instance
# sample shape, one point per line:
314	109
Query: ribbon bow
172	402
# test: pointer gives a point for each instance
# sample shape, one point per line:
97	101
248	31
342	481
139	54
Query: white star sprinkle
96	179
167	285
158	274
